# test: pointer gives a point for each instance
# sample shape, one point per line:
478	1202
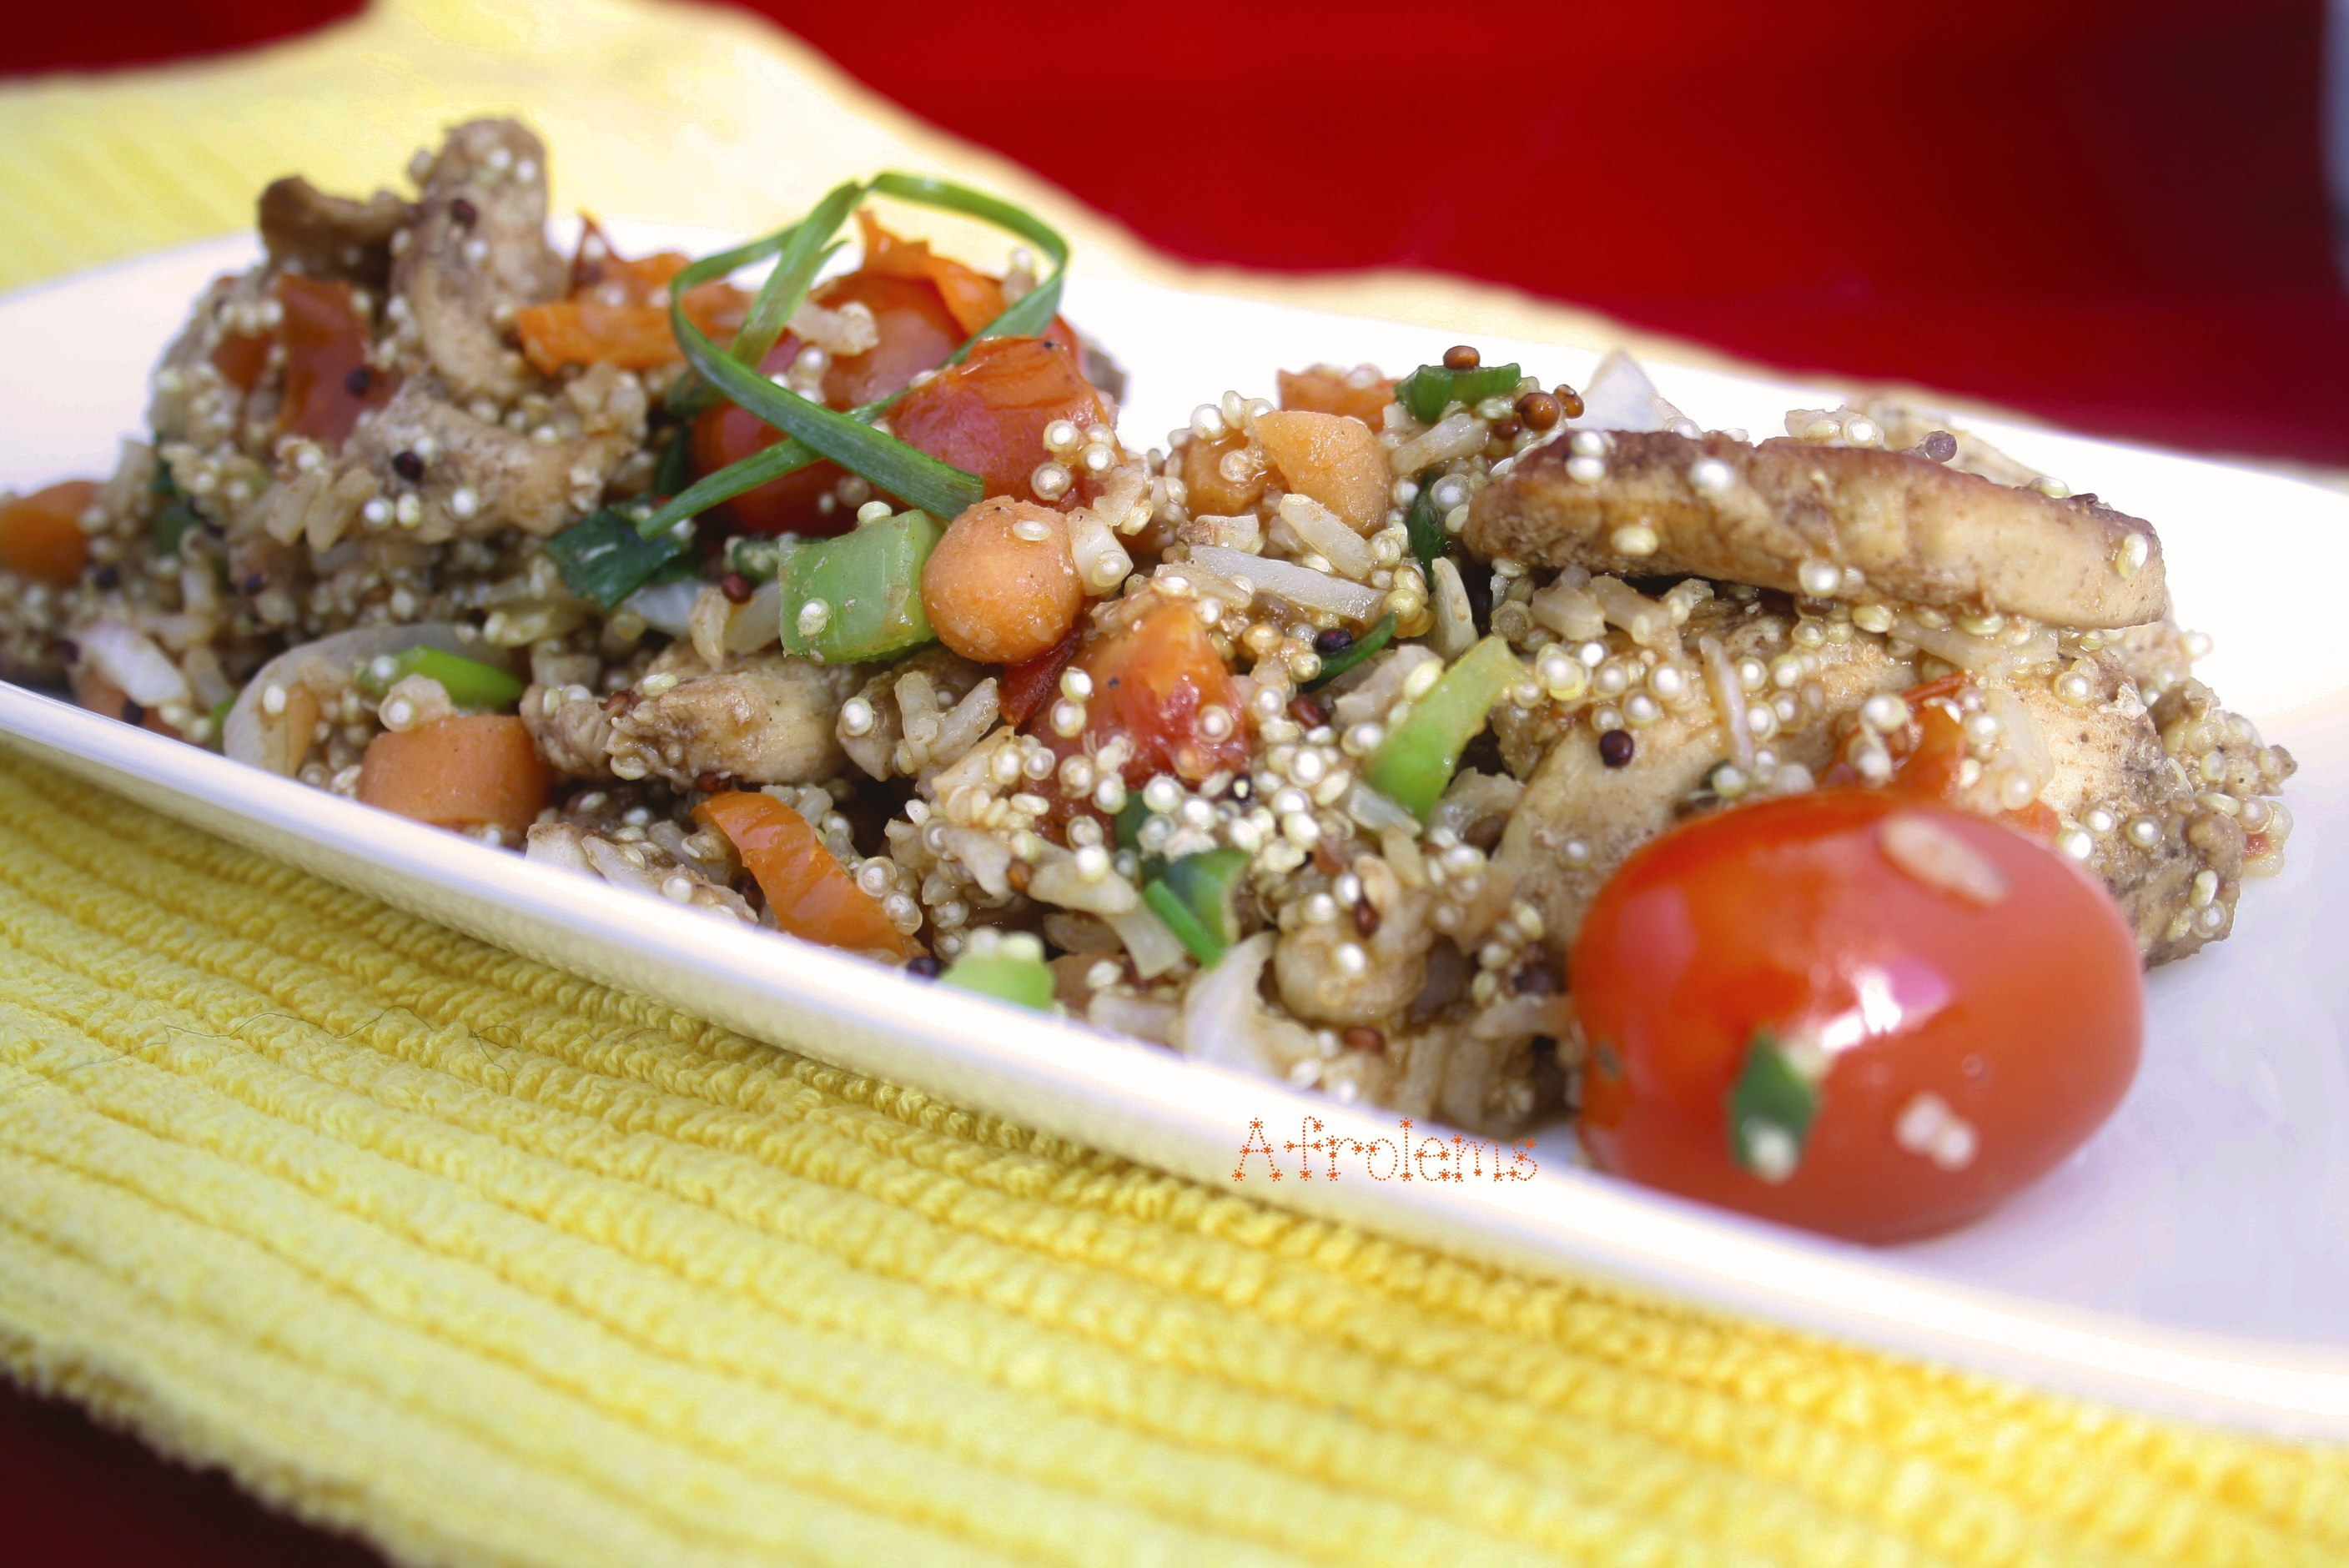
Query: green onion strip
817	432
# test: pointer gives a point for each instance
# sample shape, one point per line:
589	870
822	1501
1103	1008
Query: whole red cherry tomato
1860	1011
988	415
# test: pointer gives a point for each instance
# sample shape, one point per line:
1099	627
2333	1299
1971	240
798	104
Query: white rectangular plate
2192	1259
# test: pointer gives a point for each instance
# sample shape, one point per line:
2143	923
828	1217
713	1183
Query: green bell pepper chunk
1195	897
1421	754
869	582
470	684
1023	982
1427	391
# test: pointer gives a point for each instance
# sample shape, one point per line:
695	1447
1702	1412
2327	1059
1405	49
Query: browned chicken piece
571	729
321	236
764	719
477	253
474	477
2158	795
1780	514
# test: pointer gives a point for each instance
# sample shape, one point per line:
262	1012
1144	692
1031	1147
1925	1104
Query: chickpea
1001	586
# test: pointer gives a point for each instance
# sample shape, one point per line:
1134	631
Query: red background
2112	215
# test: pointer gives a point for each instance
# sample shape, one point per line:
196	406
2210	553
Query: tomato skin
41	536
988	415
1151	679
916	334
326	357
2024	1016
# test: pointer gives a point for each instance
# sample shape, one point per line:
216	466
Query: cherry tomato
1153	680
916	332
1851	1010
988	415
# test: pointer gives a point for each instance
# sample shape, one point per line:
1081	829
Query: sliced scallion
1425	525
1427	391
1195	896
604	558
468	683
1369	643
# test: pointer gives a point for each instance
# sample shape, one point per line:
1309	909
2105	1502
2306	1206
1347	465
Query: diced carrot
1332	459
1322	390
472	771
41	536
619	310
809	891
240	360
100	696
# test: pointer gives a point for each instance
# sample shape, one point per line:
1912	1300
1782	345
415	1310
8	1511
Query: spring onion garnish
1416	763
470	684
819	432
1425	523
1369	643
1427	391
172	520
675	470
604	559
859	597
1195	896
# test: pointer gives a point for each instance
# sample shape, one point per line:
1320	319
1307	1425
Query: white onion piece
131	660
1457	434
1324	530
330	662
1101	561
757	621
1134	1015
1224	1019
1621	398
1300	586
666	606
1149	941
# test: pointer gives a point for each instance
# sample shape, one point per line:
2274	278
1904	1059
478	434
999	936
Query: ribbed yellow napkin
493	1265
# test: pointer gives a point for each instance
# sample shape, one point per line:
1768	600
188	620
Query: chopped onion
1456	617
756	621
1101	561
666	606
1324	530
1459	434
329	663
131	660
1134	1016
1224	1019
1728	699
1300	586
1621	398
1149	941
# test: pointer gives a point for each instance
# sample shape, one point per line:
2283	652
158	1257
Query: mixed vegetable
1451	742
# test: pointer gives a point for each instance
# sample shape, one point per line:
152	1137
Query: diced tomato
970	296
1026	687
917	333
809	891
1930	754
241	360
41	536
988	415
100	696
328	382
1322	390
1151	680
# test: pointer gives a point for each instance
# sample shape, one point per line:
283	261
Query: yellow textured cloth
490	1264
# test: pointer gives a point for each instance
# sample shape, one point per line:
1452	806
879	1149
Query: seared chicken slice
323	236
764	719
1780	514
2152	802
477	253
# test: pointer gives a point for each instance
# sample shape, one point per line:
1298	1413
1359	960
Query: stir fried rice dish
815	586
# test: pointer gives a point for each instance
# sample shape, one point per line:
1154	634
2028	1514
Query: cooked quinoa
1676	621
